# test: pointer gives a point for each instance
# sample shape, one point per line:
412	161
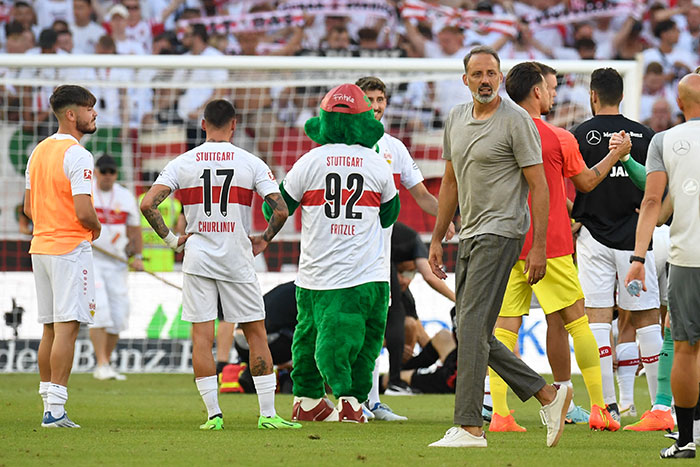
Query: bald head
689	93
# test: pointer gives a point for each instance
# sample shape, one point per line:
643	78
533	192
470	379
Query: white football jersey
116	209
404	170
403	167
340	189
216	183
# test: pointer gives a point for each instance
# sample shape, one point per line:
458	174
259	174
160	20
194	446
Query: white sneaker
101	372
553	414
114	374
383	412
629	411
368	413
458	437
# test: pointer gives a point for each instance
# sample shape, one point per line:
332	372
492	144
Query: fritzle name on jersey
214	156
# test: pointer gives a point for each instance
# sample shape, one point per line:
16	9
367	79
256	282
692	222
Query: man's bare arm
149	207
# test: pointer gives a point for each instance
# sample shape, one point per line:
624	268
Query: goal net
150	109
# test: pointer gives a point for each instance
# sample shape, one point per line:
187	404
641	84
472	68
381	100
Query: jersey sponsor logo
690	186
345	161
343	229
216	227
215	156
593	137
87	174
681	147
270	175
618	171
608	134
605	351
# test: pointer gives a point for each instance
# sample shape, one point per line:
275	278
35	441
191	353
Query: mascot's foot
306	409
350	410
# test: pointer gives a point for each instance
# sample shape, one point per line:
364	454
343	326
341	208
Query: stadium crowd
667	36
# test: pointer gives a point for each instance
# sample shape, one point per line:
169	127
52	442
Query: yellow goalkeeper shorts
558	288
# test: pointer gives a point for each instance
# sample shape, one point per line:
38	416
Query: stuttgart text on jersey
343	161
216	226
213	156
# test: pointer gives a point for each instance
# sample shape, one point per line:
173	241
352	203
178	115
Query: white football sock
568	384
44	393
487	392
265	386
57	397
627	364
601	332
208	389
650	342
374	392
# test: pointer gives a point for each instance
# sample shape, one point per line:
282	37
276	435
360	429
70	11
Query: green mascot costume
346	193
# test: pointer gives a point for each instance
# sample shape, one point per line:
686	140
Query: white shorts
111	297
65	286
602	271
662	245
242	302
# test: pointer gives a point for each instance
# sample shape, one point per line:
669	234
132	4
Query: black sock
220	367
684	419
697	409
220	415
424	359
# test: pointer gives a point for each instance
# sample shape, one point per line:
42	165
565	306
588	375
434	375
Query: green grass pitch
154	419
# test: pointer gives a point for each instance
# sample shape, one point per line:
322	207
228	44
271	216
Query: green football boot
275	423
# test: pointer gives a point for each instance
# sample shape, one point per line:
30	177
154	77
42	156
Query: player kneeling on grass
347	195
216	182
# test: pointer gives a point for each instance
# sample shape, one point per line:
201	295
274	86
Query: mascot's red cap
347	99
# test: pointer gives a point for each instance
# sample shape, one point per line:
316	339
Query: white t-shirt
667	60
219	247
77	165
109	103
48	11
340	189
404	170
142	33
116	209
193	98
675	152
86	37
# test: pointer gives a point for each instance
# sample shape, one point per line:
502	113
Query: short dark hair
546	69
654	68
70	94
367	34
607	83
219	112
200	30
60	25
371	83
521	79
106	42
663	26
47	39
481	49
13	28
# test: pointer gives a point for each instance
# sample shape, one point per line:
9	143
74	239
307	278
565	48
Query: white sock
601	332
627	364
265	386
650	342
57	397
568	384
208	389
44	393
487	392
374	392
660	407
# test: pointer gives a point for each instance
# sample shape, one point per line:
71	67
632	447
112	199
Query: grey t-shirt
677	152
488	157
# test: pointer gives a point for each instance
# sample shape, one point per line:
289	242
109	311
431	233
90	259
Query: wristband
138	256
634	258
171	240
625	158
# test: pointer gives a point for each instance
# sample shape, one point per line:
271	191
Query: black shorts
440	381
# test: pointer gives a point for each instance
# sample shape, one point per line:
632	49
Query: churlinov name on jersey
216	182
340	189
